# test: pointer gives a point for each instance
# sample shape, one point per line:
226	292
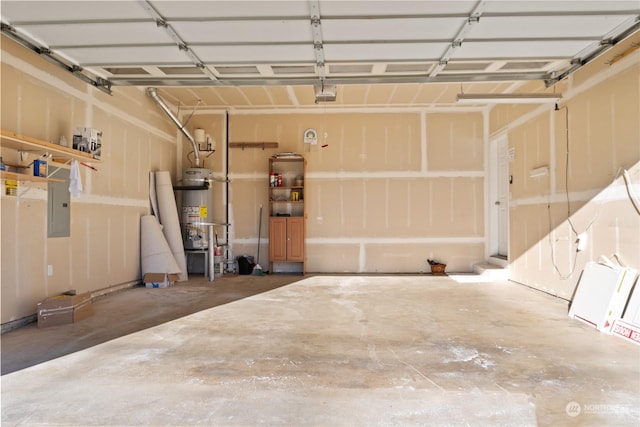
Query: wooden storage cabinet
286	239
287	215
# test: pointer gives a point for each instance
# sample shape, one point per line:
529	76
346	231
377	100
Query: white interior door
503	197
498	201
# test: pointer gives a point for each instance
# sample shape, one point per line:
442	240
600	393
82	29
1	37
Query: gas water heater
197	207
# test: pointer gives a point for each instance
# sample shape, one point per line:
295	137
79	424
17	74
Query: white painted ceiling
195	49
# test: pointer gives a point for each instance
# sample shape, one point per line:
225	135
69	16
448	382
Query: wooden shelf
24	177
244	145
19	142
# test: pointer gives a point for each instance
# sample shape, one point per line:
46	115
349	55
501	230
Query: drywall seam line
451	139
87	242
341	175
408	203
474	201
387	240
486	143
386	175
319	218
588	142
111	201
341	154
451	200
288	110
386	204
364	205
45	254
552	153
454	240
610	194
109	248
423	142
612	113
430	202
341	204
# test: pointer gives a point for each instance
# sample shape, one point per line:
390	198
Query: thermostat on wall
310	136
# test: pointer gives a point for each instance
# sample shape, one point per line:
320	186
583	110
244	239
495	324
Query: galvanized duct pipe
154	95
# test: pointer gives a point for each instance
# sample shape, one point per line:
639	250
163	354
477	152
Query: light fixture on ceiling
325	93
510	98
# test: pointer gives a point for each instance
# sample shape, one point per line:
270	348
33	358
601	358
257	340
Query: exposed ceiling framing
307	42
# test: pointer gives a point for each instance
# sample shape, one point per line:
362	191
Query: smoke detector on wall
325	93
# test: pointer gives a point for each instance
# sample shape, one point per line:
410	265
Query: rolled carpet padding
170	222
155	253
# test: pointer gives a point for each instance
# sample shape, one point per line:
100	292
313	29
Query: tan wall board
246	196
502	115
336	258
24	266
412	258
354	141
105	249
43	102
395	207
455	141
531	143
603	133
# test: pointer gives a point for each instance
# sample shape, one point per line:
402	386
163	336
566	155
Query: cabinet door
277	239
295	237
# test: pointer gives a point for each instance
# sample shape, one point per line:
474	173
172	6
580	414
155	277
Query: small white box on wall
88	140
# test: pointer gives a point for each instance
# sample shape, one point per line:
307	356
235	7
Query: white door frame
494	202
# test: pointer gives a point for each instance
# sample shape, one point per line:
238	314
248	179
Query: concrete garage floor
327	351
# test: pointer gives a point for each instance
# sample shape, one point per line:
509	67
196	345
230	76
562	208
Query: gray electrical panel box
59	206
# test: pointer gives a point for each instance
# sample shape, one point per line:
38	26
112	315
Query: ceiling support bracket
181	44
603	46
99	83
316	31
473	19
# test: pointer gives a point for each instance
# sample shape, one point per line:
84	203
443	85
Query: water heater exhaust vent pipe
154	95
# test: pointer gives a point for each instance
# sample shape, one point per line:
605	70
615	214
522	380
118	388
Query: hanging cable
632	196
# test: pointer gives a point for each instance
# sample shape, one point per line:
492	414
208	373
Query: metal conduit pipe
154	95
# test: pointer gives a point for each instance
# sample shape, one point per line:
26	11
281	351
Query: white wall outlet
50	270
581	242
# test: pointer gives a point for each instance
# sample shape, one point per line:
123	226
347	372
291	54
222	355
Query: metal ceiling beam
526	14
334	42
602	47
313	80
473	18
181	44
316	31
46	53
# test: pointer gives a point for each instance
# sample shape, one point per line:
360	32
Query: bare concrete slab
397	350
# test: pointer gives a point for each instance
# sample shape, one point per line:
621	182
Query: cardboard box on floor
64	309
160	280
